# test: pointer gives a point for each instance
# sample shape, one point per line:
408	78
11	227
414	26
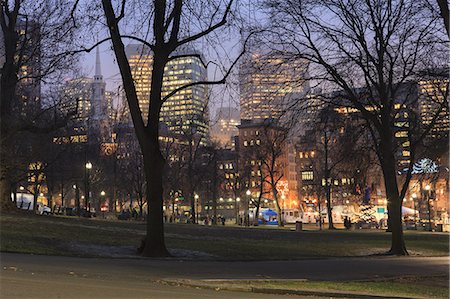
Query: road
34	276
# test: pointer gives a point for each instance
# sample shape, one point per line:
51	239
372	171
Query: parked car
369	223
69	211
86	213
43	209
124	215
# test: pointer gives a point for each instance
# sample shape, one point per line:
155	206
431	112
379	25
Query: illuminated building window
401	134
307	175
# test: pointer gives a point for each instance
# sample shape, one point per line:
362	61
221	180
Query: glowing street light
87	177
103	193
22	188
196	197
283	218
427	194
413	199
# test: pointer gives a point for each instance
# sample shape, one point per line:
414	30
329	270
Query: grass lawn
411	287
24	232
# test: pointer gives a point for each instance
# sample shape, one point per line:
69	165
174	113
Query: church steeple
98	70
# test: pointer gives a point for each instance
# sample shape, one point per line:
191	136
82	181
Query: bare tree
165	34
368	50
273	161
25	65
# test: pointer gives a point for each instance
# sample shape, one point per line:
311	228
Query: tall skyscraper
185	111
224	126
432	94
76	99
141	61
264	81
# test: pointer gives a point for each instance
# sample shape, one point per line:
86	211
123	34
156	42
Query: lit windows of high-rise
186	110
265	80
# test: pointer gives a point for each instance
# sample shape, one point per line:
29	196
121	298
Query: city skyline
309	136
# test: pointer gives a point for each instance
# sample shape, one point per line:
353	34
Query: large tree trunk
5	190
388	165
7	96
277	205
154	165
329	207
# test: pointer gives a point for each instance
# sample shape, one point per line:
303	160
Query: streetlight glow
21	188
74	186
88	165
102	193
248	192
196	196
238	199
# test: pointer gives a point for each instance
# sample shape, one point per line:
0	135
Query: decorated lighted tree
367	210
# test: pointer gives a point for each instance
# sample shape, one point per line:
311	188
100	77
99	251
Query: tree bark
329	207
153	165
277	205
388	166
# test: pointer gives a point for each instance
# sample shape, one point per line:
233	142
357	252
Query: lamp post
21	188
77	198
196	208
103	210
247	204
283	218
427	196
87	198
238	200
413	198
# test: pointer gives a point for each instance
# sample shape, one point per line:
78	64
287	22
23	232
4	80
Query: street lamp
238	200
413	198
77	198
247	204
102	194
427	195
283	218
87	195
196	208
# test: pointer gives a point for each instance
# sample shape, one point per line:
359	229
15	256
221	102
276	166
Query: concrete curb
319	293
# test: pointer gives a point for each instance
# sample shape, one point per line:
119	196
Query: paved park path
36	276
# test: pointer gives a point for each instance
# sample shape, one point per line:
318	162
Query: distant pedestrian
347	222
223	220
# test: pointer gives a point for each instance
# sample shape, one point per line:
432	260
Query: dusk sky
221	95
